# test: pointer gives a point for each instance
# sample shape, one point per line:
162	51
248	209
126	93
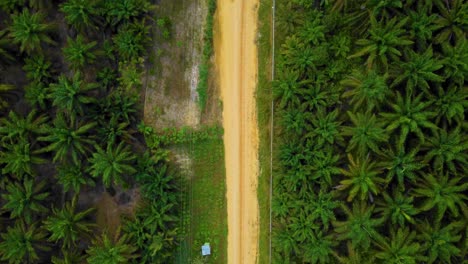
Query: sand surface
236	61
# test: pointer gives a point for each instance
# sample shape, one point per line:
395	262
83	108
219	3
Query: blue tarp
205	249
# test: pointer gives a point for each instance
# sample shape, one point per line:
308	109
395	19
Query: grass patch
205	213
204	68
209	212
264	121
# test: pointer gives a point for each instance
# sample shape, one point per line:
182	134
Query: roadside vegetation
264	97
371	149
71	132
207	53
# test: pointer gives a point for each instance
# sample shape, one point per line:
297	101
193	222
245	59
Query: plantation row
371	143
70	81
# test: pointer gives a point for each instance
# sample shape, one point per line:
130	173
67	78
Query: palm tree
79	53
315	97
72	177
105	250
15	128
69	257
369	89
29	30
281	205
302	226
81	14
24	199
400	248
313	30
359	227
366	133
409	115
38	69
418	70
284	242
131	75
421	26
364	178
115	131
111	164
293	120
383	42
106	77
452	21
18	159
326	127
37	95
301	58
401	165
324	165
399	208
21	244
438	243
450	104
456	61
447	150
120	105
67	225
130	42
340	45
319	249
72	94
289	89
124	11
442	191
68	139
354	256
322	207
287	21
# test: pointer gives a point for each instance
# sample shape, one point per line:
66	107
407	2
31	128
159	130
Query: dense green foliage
371	152
70	83
204	68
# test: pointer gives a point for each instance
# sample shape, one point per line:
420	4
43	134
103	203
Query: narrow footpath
236	61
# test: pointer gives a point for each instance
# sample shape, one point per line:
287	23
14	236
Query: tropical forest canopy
70	130
371	143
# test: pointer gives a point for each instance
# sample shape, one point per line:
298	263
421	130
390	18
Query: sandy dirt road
236	61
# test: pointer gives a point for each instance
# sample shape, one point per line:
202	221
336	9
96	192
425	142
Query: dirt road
236	61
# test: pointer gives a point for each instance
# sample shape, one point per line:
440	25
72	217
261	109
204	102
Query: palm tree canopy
80	13
104	250
364	178
360	226
366	133
71	95
69	139
29	30
67	225
24	199
21	243
111	164
79	53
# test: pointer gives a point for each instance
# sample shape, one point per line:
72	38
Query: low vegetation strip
372	151
208	201
264	99
204	68
173	136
